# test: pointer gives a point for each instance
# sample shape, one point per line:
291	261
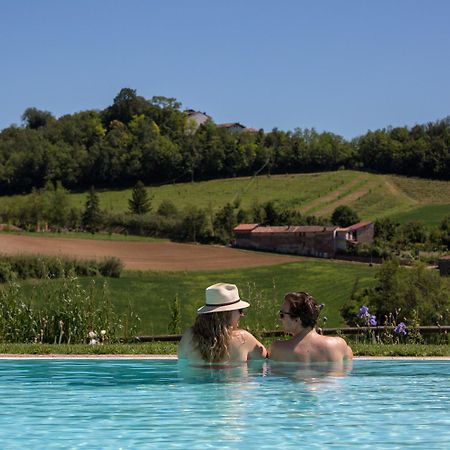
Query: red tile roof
356	226
229	125
246	227
294	229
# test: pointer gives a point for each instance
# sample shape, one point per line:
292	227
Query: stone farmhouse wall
316	241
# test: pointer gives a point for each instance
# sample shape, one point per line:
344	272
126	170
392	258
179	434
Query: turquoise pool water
136	404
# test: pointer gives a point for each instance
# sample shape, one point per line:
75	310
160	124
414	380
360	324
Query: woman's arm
182	345
256	350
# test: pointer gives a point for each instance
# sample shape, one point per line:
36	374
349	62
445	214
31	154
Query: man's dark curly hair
303	306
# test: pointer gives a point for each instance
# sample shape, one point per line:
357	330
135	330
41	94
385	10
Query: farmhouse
315	240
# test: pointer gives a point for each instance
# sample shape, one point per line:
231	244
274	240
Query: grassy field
150	294
369	194
317	193
431	215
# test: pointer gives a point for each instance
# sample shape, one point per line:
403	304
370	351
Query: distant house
234	127
444	265
196	118
320	241
358	233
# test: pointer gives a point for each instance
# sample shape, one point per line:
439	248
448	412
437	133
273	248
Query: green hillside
371	195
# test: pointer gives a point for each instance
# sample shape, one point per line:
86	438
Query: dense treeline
152	140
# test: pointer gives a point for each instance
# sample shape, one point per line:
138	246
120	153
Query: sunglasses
281	314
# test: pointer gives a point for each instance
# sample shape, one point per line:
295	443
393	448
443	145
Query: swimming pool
134	404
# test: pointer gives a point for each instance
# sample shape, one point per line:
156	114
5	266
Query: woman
215	338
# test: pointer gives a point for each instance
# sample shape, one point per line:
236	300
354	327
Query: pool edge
174	357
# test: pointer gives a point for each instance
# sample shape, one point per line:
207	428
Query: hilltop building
197	118
319	241
236	127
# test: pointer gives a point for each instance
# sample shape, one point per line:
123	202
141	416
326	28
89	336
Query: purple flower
363	312
373	321
400	328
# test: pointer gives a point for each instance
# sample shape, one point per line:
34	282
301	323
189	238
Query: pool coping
174	357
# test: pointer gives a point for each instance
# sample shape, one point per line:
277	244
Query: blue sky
340	66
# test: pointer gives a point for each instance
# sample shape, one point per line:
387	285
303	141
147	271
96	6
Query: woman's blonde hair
211	335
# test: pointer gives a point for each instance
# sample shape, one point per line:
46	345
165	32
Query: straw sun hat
222	297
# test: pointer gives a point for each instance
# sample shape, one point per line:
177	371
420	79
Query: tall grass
151	294
60	312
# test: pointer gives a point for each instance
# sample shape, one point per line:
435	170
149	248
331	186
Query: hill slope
371	195
319	194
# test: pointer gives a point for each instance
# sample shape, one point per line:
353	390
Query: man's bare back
311	348
299	313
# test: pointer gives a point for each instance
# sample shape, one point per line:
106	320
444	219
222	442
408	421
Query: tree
126	105
344	216
195	226
57	201
167	209
140	202
444	230
413	232
385	229
35	118
405	294
92	219
224	222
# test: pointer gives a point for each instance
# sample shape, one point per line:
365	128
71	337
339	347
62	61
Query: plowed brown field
167	256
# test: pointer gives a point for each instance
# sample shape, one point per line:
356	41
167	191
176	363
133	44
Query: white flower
92	334
103	332
92	342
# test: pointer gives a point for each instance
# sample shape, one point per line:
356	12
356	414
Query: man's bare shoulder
279	350
337	346
280	344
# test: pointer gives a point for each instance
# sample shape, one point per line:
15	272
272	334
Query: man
299	314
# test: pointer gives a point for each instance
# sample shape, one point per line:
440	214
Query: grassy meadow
150	294
313	194
431	215
371	195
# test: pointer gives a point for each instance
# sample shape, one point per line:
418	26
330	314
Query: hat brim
210	309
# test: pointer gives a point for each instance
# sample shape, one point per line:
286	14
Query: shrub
5	271
111	267
417	293
38	266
